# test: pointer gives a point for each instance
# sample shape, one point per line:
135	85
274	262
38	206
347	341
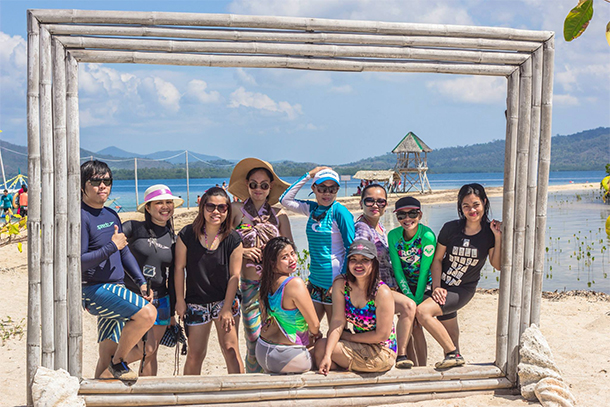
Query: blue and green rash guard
328	238
101	261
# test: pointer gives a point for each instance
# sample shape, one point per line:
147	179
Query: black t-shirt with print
207	271
465	255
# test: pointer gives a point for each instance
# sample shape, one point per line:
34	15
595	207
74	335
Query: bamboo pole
33	121
186	157
322	395
543	175
304	50
294	37
60	154
525	109
508	220
532	174
283	23
46	145
135	171
236	382
352	65
75	327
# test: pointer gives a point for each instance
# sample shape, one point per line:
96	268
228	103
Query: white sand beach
577	328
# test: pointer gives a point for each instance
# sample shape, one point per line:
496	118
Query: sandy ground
577	329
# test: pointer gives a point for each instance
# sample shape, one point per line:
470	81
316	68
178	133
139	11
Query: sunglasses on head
263	185
400	215
381	203
96	182
210	207
323	189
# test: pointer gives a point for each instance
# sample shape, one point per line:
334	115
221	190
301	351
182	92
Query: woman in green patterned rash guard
411	252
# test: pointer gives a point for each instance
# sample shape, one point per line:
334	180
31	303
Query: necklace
205	236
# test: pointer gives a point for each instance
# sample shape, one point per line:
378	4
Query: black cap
363	247
407	202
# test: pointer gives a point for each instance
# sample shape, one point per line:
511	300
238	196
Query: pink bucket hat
159	192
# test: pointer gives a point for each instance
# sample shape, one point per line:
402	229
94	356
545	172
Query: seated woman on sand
463	246
291	323
210	253
411	250
366	302
254	182
330	231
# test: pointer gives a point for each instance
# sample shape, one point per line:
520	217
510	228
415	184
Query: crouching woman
291	323
366	302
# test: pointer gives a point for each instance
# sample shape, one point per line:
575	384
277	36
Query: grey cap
364	247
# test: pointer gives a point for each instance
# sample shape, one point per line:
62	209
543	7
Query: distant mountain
587	150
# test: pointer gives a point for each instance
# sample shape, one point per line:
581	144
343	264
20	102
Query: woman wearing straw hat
255	183
152	244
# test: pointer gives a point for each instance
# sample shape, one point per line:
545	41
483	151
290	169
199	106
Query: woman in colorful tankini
463	246
368	226
411	250
366	302
152	244
210	252
291	323
330	231
254	182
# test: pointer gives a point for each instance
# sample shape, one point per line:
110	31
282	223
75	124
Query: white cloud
102	114
196	90
472	89
13	65
245	77
167	93
260	101
565	100
342	89
577	77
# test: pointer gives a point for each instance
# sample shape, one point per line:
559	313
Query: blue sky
323	117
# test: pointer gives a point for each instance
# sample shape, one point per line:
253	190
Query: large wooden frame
60	39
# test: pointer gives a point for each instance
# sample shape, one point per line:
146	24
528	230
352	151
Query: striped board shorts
114	305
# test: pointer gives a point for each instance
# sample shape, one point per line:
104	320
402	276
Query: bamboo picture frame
58	40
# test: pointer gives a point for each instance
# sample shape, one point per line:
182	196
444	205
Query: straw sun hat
239	187
159	192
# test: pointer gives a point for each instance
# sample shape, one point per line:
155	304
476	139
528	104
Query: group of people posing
237	262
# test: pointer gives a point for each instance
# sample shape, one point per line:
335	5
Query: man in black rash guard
123	317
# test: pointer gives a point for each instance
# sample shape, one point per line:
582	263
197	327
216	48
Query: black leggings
457	298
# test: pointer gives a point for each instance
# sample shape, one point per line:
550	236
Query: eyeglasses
381	203
210	207
323	189
96	182
263	185
400	215
365	261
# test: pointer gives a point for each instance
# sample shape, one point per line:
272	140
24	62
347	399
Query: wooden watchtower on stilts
412	163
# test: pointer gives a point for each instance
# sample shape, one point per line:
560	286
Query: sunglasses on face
263	185
323	189
400	215
381	203
210	207
96	182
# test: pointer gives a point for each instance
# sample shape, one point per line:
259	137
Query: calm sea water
576	255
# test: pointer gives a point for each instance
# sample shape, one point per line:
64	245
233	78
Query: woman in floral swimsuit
361	299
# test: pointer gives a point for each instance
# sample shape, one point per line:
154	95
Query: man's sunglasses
210	207
381	203
323	189
400	215
263	185
96	182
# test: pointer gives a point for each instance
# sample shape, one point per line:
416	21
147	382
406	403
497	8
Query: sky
323	117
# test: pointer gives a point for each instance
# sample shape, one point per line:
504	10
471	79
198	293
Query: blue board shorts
163	310
114	305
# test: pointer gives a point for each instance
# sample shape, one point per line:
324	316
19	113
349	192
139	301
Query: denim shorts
200	314
114	305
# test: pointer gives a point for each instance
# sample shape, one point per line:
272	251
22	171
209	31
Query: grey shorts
457	298
282	358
